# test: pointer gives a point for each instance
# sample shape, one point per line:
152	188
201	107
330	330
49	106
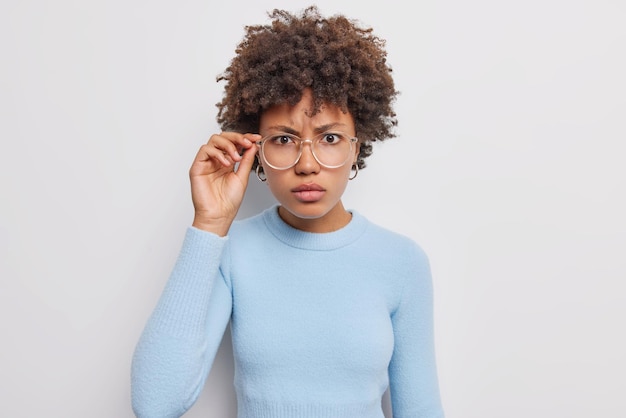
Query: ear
357	150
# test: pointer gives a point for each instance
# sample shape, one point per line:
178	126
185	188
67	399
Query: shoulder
250	233
398	260
405	262
247	226
390	241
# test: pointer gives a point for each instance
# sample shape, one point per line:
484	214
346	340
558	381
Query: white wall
508	171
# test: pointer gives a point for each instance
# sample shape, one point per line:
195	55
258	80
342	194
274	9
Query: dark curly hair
342	63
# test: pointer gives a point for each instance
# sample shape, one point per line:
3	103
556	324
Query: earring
355	167
260	173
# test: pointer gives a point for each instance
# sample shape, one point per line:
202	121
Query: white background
508	170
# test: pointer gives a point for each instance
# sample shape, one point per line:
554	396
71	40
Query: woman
326	309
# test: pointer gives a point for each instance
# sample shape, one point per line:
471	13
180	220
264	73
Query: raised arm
178	345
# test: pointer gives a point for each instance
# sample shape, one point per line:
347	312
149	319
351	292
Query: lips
308	188
308	192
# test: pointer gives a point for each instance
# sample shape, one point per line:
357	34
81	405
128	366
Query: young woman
326	309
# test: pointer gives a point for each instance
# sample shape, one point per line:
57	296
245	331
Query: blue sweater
321	324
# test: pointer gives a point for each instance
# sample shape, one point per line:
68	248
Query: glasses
330	149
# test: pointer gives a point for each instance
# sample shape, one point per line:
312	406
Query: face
309	193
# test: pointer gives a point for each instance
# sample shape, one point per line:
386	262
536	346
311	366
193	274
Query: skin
218	189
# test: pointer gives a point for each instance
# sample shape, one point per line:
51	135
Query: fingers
245	165
226	149
233	144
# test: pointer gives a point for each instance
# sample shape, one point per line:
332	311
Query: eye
282	139
330	138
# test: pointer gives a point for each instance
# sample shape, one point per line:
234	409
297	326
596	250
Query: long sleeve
178	344
414	386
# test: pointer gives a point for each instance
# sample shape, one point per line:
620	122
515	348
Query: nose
307	163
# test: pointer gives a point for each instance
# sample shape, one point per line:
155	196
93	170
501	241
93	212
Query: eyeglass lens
282	151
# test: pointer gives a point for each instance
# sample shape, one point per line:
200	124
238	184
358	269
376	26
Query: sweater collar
311	240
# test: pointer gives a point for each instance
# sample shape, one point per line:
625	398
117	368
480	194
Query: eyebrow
317	130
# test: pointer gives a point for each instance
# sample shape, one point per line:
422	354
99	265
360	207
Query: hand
217	189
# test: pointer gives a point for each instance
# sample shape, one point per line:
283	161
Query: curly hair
342	63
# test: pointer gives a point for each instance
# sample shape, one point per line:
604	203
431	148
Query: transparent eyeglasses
283	150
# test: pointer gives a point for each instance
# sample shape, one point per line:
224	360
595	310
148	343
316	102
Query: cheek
275	181
345	172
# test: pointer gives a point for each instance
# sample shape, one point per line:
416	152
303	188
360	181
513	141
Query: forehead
301	117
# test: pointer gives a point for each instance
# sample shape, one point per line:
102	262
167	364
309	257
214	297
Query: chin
307	210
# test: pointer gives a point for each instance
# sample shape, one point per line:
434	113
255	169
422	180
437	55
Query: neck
335	219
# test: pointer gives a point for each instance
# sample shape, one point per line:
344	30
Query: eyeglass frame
302	141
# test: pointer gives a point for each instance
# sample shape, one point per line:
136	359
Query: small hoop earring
354	167
260	173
